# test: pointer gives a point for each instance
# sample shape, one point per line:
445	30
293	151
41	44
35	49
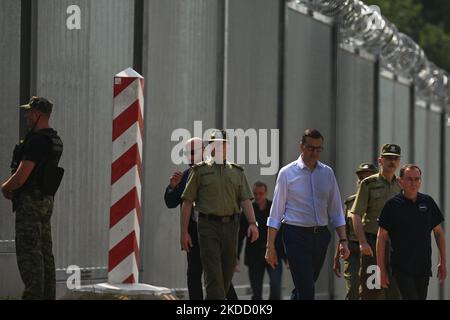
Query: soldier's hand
442	272
271	257
252	233
365	249
237	268
343	250
175	179
337	267
384	279
186	242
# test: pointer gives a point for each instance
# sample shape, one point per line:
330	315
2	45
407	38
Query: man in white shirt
306	200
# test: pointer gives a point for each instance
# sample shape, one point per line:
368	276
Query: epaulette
350	199
371	178
198	165
237	166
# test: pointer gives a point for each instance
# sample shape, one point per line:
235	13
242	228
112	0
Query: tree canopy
425	21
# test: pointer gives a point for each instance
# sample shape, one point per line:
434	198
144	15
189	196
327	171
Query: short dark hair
409	166
260	184
311	133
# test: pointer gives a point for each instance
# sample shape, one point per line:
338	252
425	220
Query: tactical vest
46	176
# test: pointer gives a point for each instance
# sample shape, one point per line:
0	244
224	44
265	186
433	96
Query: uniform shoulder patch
237	166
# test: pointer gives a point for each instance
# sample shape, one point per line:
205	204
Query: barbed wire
364	27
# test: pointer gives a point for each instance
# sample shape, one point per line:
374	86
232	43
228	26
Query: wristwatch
342	240
255	223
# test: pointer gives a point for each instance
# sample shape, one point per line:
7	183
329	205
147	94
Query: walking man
408	220
255	252
219	189
352	263
193	151
373	192
306	200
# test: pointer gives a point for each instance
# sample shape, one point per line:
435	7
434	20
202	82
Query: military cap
218	135
390	150
40	104
366	167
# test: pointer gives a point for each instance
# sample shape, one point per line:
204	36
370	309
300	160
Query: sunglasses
313	148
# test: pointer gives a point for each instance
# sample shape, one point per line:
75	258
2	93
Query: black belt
316	229
233	217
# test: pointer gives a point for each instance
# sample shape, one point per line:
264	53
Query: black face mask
31	130
35	123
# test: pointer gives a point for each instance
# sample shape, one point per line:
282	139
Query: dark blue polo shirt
409	225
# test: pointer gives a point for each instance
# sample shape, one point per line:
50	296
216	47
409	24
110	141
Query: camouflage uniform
33	204
352	263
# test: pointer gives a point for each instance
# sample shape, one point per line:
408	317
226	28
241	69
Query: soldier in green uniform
219	189
373	192
32	185
352	263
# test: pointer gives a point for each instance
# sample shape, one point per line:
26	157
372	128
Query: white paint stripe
127	182
126	98
126	140
123	270
123	228
141	99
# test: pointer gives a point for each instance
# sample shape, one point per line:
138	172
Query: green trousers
218	252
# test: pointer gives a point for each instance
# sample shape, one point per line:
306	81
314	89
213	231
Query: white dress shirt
306	198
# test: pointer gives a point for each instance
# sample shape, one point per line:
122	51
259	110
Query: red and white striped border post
126	169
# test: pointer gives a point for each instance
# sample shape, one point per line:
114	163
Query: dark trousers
306	252
256	275
195	269
412	287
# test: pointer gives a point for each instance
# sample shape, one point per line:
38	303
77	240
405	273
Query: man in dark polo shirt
408	219
254	257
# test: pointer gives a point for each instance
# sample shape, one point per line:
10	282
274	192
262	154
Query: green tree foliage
426	21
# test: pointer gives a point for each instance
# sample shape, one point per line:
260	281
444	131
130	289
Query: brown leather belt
233	217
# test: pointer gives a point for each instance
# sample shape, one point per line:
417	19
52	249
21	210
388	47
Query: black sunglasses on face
312	148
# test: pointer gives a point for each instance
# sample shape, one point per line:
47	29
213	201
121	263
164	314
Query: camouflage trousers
34	245
366	293
351	271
